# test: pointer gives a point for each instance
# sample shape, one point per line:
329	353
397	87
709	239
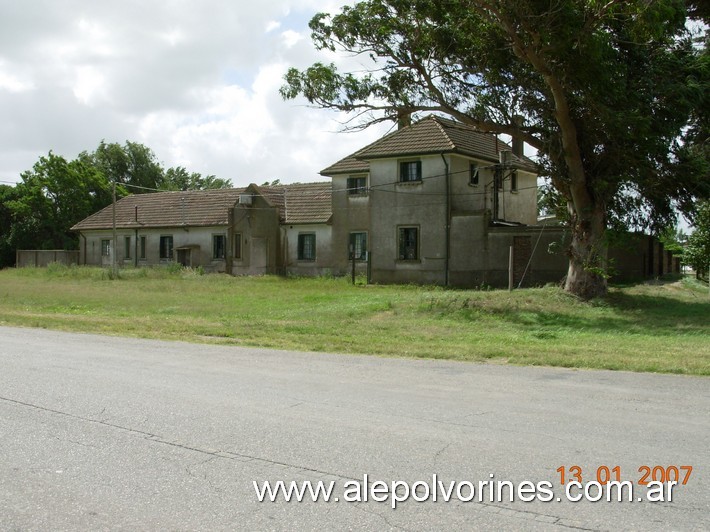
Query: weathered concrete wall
351	213
420	205
258	227
198	239
42	257
323	263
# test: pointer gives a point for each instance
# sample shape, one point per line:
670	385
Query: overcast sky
196	81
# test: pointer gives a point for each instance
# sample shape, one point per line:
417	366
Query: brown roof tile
430	135
166	209
298	203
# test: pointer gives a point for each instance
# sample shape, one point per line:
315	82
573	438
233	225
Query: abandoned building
436	202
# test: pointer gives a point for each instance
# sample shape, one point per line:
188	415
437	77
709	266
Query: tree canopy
697	251
57	193
612	94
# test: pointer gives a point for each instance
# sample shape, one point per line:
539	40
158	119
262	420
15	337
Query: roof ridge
452	144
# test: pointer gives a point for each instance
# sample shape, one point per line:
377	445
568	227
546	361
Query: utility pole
114	265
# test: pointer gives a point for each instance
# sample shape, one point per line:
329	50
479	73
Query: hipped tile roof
431	135
298	203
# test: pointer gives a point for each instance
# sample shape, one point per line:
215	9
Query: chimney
518	143
404	119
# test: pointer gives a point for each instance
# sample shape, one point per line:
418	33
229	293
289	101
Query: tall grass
648	327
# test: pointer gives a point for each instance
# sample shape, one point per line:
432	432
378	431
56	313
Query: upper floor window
357	185
475	174
410	171
219	244
307	246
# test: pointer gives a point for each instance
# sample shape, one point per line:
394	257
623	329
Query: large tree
602	89
52	197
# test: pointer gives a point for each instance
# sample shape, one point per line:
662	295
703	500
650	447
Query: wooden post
511	281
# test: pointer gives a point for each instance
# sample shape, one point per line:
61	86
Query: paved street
113	433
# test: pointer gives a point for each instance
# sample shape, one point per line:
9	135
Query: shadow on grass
619	313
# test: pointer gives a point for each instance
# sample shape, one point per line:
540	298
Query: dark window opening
166	247
475	174
307	246
408	243
410	171
357	185
238	246
218	246
358	246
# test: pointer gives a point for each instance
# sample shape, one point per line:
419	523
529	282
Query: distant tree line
56	193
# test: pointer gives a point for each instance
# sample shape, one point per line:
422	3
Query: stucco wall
198	239
351	213
421	205
323	263
258	227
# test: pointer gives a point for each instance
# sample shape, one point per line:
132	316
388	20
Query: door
184	257
259	258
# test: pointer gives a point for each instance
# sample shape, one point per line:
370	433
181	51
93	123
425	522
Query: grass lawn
653	327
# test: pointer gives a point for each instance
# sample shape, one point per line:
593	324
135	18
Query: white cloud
196	82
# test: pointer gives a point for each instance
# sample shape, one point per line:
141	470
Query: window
105	248
514	181
410	171
475	174
142	248
357	185
127	247
307	246
408	243
499	180
358	245
219	243
166	247
237	245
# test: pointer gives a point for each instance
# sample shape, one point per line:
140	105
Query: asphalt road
112	433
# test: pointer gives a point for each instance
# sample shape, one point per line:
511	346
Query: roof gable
431	135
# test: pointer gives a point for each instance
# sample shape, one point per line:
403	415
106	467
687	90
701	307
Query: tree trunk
586	276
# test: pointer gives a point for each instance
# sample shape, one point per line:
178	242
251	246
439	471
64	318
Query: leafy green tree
179	178
132	164
604	88
697	250
8	194
52	197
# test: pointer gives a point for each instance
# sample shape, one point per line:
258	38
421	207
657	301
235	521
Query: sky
195	81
